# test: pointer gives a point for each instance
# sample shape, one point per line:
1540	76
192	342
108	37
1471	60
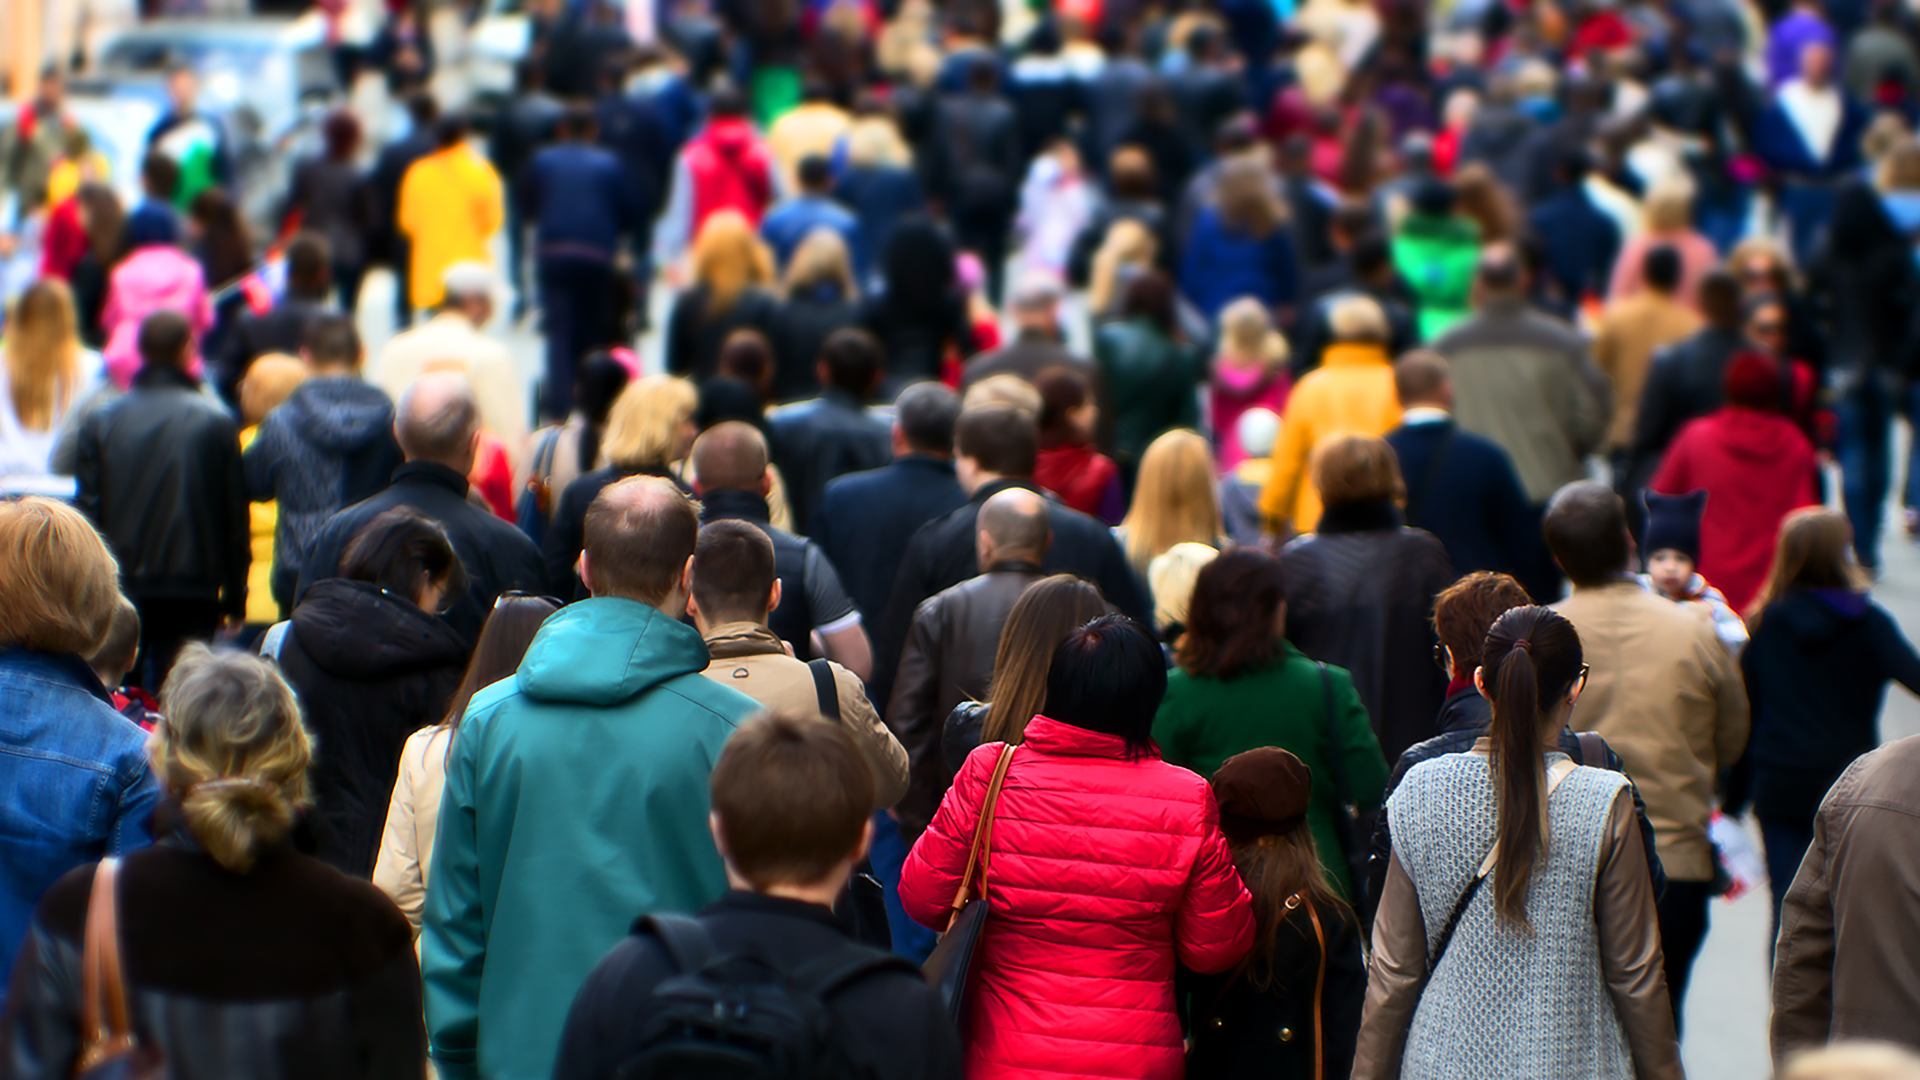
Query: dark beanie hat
1261	793
1673	521
1752	381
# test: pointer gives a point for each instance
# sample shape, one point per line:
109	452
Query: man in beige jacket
1664	693
455	340
734	590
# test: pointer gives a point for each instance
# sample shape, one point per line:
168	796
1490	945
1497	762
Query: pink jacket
1104	872
152	279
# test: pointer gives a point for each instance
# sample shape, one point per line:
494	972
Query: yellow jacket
262	610
450	207
1351	391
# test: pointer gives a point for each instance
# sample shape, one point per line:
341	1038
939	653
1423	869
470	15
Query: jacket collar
431	473
1353	517
741	505
927	462
730	640
994	487
1015	566
1048	736
1354	354
1465	711
63	667
152	377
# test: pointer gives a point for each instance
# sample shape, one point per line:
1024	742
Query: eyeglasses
1580	683
1442	658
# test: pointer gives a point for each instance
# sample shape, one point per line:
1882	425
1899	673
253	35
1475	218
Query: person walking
977	163
731	290
153	274
529	814
819	440
1147	379
811	208
1097	958
725	167
818	298
1635	326
223	917
45	376
1552	912
1685	381
336	200
454	339
450	206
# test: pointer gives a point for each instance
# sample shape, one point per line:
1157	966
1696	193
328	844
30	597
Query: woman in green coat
1435	250
1240	686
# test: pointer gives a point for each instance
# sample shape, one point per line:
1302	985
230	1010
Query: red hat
1752	381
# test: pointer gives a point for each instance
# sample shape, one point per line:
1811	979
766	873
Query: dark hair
793	795
596	386
1130	175
746	356
1586	530
726	101
106	222
1230	616
403	551
854	361
1530	660
510	628
1001	438
1109	676
331	341
1720	298
1661	268
983	76
1041	619
578	122
225	250
927	413
341	134
449	131
1465	610
1150	296
422	108
164	339
1354	220
1062	390
309	263
733	571
815	173
159	175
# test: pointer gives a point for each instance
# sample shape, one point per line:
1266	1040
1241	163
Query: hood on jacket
357	630
731	137
1816	617
743	639
1762	440
339	414
606	650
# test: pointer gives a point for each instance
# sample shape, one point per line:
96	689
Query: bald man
437	424
815	616
951	645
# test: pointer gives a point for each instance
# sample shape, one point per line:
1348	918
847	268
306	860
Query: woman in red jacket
1107	866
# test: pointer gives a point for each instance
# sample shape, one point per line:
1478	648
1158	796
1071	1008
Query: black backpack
742	1017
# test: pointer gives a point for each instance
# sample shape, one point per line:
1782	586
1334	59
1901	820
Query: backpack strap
1593	752
825	688
824	976
685	940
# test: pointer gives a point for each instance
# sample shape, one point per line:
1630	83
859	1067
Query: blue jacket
579	201
1778	143
880	196
1221	266
76	778
1584	243
576	799
866	518
1471	500
786	225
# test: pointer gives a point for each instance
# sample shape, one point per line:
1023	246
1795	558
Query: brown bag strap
1319	994
107	1029
982	833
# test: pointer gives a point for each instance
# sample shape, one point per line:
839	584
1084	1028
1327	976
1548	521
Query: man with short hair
438	428
455	340
831	435
788	801
33	140
730	474
1634	328
329	445
576	795
282	328
1664	693
812	208
194	140
1038	341
953	640
735	589
159	474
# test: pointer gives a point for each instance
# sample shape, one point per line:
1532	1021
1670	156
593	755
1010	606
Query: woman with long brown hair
45	374
106	224
732	287
1045	614
1518	889
1240	245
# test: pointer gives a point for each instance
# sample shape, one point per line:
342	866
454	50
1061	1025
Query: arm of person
239	538
1511	519
1894	652
40	1033
453	935
931	875
1394	980
910	708
838	623
1360	757
1213	926
386	1020
1630	958
1591	405
490	206
1653	427
1803	962
562	545
134	812
86	468
884	754
398	871
1656	872
322	557
1120	585
1380	850
592	1042
1732	715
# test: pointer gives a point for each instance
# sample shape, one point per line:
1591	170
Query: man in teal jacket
576	796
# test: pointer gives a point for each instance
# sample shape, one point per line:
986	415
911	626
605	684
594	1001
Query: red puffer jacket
1104	871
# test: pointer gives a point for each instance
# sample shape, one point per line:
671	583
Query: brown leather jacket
1848	965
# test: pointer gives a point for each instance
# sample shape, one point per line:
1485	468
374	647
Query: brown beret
1261	793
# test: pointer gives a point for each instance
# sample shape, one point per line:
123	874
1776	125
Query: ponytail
1531	659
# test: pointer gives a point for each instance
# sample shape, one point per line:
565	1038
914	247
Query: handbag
1346	824
862	906
108	1050
948	966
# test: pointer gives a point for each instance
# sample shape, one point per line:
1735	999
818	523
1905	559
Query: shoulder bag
108	1050
947	968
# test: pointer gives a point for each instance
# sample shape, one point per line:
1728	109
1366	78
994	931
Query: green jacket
1436	257
1204	721
576	800
1152	384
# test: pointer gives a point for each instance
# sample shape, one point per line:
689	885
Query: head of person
1669	208
468	290
1720	299
1035	305
159	177
1259	431
437	420
165	341
331	345
815	174
1358	320
1761	264
1263	796
853	362
1465	611
1816	64
105	221
43	354
1673	539
1661	269
792	802
183	86
993	442
449	131
1586	530
1004	389
1814	550
1752	382
1130	175
1108	677
1353	471
918	264
1246	198
423	110
268	383
1236	618
651	424
309	265
1173	498
340	133
728	259
578	124
1170	578
113	658
1067	410
1531	671
1045	614
214	221
821	265
1350	222
731	456
58	582
1481	198
1423	380
1501	275
1765	323
1128	249
746	356
407	555
1150	298
509	630
1012	527
51	89
596	386
1854	1060
1247	333
233	752
924	416
640	536
733	576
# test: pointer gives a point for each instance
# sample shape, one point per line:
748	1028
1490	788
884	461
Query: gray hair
438	416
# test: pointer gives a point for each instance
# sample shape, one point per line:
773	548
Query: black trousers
166	626
577	302
1683	926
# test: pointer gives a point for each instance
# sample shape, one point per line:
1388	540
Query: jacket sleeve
407	211
322	557
490	206
257	464
931	875
1630	957
386	1020
884	754
1656	872
1363	763
1511	518
1380	850
397	870
131	830
238	523
1394	978
1894	652
1213	927
40	1030
453	939
1732	717
910	715
1803	962
86	468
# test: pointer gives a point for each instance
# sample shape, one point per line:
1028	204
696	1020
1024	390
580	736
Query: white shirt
1814	113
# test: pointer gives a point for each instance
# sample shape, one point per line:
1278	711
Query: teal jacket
1204	721
576	800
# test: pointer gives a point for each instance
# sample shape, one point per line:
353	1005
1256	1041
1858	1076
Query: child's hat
1262	792
1673	521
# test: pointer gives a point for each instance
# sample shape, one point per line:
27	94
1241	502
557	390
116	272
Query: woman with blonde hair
651	427
1130	247
878	185
268	383
1669	214
1240	245
45	375
1173	500
1249	372
266	923
817	297
732	287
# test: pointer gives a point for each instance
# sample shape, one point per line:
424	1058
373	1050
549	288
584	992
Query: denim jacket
76	778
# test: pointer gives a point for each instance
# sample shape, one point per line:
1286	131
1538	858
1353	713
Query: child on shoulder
1673	550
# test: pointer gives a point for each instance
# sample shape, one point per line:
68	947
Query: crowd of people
1304	527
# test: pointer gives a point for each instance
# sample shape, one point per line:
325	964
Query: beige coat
1668	697
1630	332
750	659
448	342
406	847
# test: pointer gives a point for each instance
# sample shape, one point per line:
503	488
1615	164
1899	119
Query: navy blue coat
1581	243
866	518
1473	503
579	200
